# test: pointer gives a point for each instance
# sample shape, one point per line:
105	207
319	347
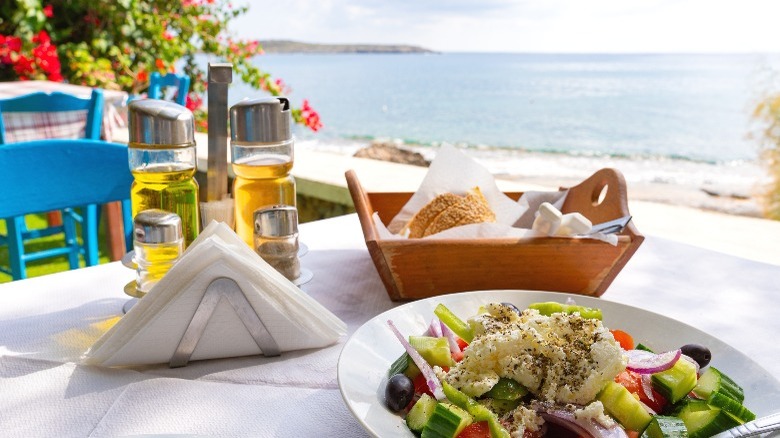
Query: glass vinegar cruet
261	145
162	159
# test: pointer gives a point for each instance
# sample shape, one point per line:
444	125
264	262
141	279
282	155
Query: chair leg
71	240
114	230
90	234
16	247
54	218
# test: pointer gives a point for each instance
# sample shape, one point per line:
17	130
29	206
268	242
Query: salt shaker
276	238
158	243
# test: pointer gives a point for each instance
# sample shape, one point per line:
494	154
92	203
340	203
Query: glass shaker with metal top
262	156
162	160
158	244
276	238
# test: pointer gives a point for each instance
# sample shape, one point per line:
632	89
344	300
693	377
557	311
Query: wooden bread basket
419	268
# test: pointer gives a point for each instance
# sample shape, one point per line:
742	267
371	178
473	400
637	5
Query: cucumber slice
665	427
713	380
399	366
643	347
507	389
447	421
435	351
421	412
479	412
731	406
703	420
404	365
622	405
550	307
457	325
676	382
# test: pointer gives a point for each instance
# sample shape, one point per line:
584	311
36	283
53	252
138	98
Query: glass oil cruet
162	160
262	157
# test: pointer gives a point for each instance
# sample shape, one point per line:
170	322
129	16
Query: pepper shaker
276	238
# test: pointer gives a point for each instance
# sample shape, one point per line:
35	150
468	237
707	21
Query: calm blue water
686	106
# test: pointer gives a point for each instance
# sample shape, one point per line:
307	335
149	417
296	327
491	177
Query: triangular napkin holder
219	288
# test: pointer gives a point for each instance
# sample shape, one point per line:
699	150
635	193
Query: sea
675	118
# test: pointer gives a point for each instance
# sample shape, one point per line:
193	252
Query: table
47	322
113	106
68	125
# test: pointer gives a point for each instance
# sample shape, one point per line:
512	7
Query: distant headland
286	46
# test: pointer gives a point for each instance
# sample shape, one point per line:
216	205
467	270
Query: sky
553	26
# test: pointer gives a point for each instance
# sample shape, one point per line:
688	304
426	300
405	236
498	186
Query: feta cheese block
561	358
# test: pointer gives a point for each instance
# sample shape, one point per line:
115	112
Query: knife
610	227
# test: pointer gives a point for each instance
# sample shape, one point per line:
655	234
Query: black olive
699	353
399	392
512	306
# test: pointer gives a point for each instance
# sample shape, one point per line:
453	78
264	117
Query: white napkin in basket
150	332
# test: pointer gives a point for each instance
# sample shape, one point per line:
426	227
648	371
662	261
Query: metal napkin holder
219	288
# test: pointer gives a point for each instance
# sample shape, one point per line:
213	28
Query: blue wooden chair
158	82
54	103
45	175
31	106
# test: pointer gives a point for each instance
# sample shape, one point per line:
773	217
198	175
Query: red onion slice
583	428
647	386
450	335
430	377
435	328
644	362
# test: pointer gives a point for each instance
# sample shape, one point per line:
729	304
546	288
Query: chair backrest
45	175
48	103
157	82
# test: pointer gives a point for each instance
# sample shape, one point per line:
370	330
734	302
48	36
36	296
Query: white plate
367	355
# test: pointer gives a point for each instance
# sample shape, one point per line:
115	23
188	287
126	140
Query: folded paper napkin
151	331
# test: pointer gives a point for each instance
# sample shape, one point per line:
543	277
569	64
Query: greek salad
554	369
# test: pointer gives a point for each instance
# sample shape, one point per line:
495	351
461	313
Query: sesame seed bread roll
448	211
427	214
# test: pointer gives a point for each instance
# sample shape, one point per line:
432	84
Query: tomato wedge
633	383
624	339
421	386
479	429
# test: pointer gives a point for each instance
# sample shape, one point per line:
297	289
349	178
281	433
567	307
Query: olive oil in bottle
262	157
163	162
158	244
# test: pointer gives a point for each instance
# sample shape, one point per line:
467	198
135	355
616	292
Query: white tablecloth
47	322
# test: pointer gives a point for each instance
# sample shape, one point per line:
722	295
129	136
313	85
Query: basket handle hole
599	194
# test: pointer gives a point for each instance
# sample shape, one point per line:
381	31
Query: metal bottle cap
276	221
261	120
159	122
156	226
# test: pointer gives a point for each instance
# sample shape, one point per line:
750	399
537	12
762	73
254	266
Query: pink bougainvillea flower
48	11
193	101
